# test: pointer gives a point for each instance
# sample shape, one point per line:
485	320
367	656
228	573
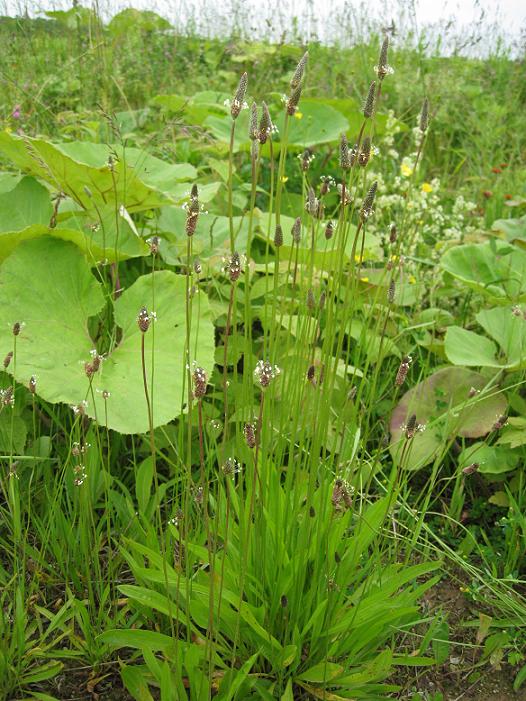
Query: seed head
198	268
367	206
17	326
296	79
329	230
345	157
8	359
424	116
284	601
311	374
368	107
32	386
278	236
250	435
143	320
393	234
312	512
239	97
296	231
311	300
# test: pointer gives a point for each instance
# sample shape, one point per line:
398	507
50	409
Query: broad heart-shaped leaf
196	108
164	351
442	404
25	213
133	179
506	325
513	229
467	348
495	269
319	124
492	460
47	284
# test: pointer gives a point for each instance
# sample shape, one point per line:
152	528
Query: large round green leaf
506	326
442	404
48	285
495	269
96	174
25	213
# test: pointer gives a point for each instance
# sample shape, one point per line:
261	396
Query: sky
320	17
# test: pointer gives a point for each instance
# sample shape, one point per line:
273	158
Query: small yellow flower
427	187
412	280
364	279
406	170
357	258
284	178
298	114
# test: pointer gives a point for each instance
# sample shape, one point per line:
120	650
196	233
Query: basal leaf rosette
453	401
47	285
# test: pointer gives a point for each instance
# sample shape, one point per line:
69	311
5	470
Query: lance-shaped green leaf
48	286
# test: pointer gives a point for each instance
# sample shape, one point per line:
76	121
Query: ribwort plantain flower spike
200	381
296	231
249	431
293	100
424	116
345	156
233	266
403	369
238	103
365	152
192	211
265	372
143	320
368	107
297	77
367	206
253	131
383	68
471	469
278	236
8	359
265	124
